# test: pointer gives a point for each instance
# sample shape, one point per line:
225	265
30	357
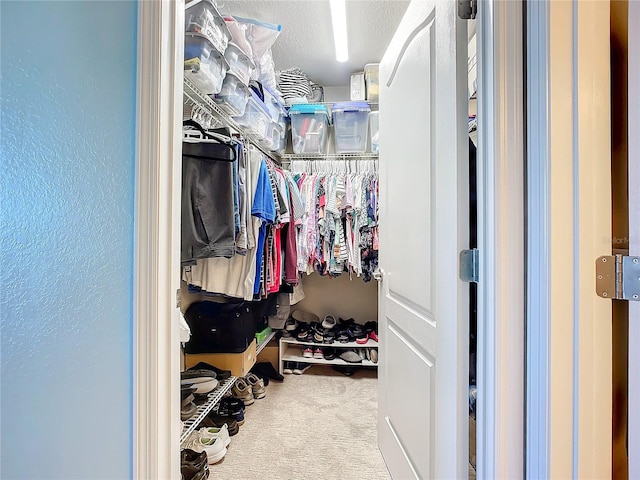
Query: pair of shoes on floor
213	441
193	465
214	419
249	388
297	368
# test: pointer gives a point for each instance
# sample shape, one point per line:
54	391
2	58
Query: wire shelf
193	96
212	399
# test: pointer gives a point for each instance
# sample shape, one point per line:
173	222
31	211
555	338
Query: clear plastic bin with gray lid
202	16
203	64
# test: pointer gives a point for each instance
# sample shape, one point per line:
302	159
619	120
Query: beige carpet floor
320	425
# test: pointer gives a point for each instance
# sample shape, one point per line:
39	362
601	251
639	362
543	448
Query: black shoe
329	353
347	371
220	374
215	420
266	370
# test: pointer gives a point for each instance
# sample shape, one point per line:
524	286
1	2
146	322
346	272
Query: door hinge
469	267
178	299
618	277
467	9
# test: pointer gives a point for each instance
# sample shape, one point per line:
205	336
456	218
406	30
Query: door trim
569	183
156	355
156	428
501	227
538	241
633	429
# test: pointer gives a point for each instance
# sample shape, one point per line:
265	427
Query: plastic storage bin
273	135
373	131
233	96
273	104
372	81
256	117
350	122
203	64
309	126
202	16
239	63
356	86
284	123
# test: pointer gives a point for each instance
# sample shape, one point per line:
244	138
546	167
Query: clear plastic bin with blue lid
239	62
350	123
205	66
309	127
202	16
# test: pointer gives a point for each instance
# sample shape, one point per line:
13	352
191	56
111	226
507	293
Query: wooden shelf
370	343
291	351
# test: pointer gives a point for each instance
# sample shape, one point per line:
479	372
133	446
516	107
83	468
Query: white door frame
500	450
156	352
568	357
501	227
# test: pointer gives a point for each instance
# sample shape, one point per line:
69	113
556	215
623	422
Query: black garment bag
208	228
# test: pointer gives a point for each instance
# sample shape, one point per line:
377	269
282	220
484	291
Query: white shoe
213	446
214	432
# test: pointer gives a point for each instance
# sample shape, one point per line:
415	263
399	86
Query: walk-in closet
280	280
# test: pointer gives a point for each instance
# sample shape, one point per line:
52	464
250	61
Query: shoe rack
291	351
213	398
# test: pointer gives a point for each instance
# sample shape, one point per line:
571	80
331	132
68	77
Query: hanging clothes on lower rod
339	232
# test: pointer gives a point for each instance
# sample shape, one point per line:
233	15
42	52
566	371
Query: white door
423	371
634	237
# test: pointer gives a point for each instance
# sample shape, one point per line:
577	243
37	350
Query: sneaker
217	432
287	368
329	322
202	385
257	386
290	327
351	356
193	465
373	353
307	352
214	420
329	353
242	391
318	353
213	446
224	411
300	368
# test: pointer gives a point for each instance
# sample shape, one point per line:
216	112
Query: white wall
339	297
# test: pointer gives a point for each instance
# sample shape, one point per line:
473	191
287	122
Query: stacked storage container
205	42
309	128
279	120
350	121
255	117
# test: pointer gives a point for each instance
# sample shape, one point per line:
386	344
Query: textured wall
67	179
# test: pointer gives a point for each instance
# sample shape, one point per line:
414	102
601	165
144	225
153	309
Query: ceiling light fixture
339	22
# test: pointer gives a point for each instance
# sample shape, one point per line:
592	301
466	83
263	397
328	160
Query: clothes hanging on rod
258	270
340	227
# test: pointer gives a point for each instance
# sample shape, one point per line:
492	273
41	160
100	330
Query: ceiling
306	39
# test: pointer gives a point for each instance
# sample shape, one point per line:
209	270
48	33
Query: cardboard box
270	353
238	363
